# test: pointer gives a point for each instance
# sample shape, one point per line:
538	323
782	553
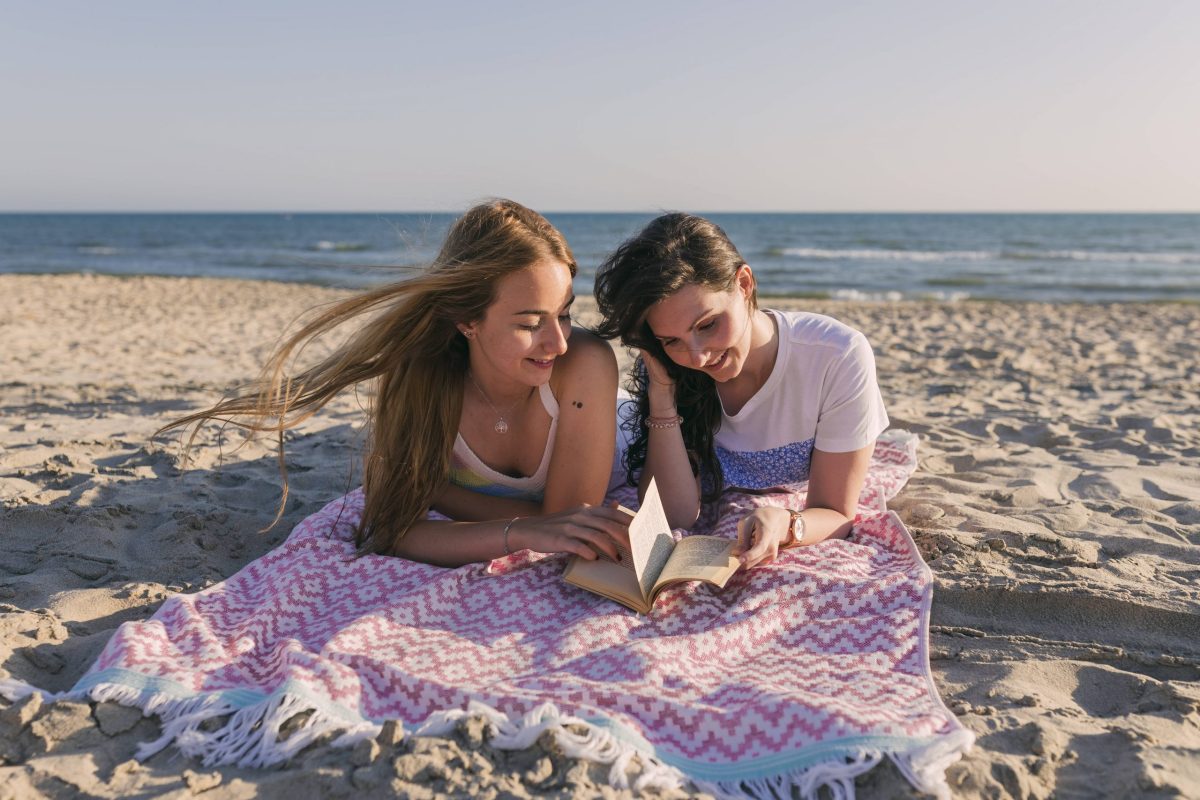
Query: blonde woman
481	410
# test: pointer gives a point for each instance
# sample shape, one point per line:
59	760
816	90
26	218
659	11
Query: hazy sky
904	105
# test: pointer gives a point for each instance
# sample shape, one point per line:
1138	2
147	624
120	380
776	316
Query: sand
1058	504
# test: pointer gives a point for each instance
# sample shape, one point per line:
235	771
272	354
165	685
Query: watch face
796	528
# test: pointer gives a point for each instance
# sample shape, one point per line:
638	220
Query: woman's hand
760	535
661	387
655	369
585	531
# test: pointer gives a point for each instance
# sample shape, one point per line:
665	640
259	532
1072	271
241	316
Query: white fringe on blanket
251	737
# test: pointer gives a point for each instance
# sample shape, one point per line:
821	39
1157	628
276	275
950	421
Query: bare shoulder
588	363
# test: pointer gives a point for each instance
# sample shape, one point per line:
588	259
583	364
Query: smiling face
707	330
524	329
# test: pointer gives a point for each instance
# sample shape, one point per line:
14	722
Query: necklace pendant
501	427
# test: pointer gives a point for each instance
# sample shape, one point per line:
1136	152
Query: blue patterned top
765	469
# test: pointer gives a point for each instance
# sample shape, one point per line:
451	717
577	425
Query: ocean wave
1108	256
877	254
958	280
871	254
894	296
1166	289
97	250
340	247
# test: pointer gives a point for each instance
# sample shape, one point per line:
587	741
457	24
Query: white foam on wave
339	247
869	254
98	250
1113	256
879	254
894	296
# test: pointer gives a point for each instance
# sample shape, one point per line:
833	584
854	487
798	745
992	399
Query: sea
953	257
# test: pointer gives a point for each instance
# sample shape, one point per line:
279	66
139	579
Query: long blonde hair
411	346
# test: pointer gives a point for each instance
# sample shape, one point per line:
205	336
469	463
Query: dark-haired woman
729	395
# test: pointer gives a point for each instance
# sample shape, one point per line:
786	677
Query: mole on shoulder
577	404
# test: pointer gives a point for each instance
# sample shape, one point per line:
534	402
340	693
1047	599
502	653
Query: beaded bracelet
661	423
507	527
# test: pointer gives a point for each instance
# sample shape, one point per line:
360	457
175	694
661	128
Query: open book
654	560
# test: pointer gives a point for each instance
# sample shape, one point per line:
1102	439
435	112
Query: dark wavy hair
673	251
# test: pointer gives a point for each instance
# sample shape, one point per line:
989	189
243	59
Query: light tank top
468	470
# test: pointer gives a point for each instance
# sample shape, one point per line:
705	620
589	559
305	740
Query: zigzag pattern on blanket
825	646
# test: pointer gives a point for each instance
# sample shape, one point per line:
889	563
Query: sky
608	106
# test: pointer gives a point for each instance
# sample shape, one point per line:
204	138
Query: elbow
843	530
839	521
685	519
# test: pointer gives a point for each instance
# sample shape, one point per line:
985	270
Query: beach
1057	503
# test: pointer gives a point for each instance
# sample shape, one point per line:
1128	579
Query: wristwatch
795	536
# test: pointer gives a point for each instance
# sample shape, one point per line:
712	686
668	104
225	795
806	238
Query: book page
624	557
650	540
608	579
700	558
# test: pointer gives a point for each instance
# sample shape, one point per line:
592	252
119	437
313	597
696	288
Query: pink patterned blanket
798	674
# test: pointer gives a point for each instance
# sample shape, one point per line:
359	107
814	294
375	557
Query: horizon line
284	212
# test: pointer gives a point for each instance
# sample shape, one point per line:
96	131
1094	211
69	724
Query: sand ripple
1058	504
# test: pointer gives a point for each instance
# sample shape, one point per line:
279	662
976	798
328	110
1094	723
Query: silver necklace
501	426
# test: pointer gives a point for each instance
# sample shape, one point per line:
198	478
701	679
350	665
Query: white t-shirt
822	394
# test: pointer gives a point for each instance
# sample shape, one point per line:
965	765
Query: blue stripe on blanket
750	769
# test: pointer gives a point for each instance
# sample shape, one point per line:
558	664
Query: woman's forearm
668	463
587	532
452	544
824	523
464	505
